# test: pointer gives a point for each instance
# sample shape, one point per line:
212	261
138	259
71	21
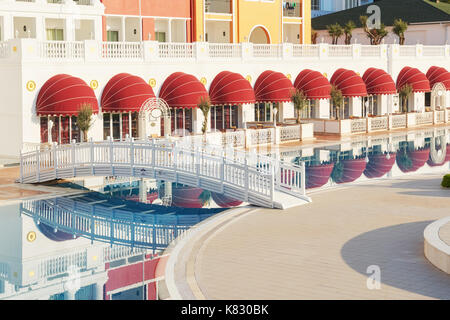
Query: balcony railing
155	51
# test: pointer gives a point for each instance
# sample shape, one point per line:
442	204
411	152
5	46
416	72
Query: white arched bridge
251	178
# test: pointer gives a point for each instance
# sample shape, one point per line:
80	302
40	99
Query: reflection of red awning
224	201
181	90
63	95
318	176
379	165
150	197
352	170
418	159
273	86
350	84
50	233
438	74
447	158
124	93
229	88
413	77
313	84
187	197
378	81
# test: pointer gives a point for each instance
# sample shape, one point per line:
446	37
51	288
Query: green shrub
446	181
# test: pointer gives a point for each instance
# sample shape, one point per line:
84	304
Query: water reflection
381	157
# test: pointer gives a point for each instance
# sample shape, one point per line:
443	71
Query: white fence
153	50
398	121
249	178
359	125
288	133
62	50
175	50
379	123
424	118
122	50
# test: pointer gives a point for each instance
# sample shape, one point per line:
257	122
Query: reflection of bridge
255	179
118	222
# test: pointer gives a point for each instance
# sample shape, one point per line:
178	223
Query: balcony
218	6
292	9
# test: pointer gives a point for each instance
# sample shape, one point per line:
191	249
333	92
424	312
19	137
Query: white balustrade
378	123
440	116
434	51
122	50
225	50
266	50
4	50
359	125
62	50
305	50
399	121
340	51
261	136
288	133
176	50
370	51
424	118
407	51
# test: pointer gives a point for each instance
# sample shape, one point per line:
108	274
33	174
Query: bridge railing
212	167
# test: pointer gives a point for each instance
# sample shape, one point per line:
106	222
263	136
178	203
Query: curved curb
436	250
179	275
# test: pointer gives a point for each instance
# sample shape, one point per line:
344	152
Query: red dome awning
352	169
413	160
224	201
182	90
313	84
63	95
378	81
273	86
125	93
350	84
318	176
379	165
438	74
229	88
413	77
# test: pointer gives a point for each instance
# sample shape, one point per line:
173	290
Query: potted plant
300	101
337	99
84	119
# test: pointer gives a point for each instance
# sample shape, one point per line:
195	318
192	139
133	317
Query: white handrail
236	174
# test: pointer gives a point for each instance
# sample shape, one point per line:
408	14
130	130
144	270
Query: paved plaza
322	250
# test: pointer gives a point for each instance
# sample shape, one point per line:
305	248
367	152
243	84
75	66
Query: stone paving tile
322	250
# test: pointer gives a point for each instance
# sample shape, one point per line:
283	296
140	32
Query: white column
69	29
169	30
8	27
122	31
98	29
40	28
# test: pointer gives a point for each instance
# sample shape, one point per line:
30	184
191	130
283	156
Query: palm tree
300	101
348	29
399	29
337	99
205	106
314	35
404	93
84	119
335	31
376	35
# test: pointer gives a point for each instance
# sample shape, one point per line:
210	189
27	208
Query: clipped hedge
446	181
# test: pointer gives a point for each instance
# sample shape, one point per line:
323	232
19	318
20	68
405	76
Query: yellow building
257	21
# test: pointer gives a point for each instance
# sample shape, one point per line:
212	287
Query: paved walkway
322	250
